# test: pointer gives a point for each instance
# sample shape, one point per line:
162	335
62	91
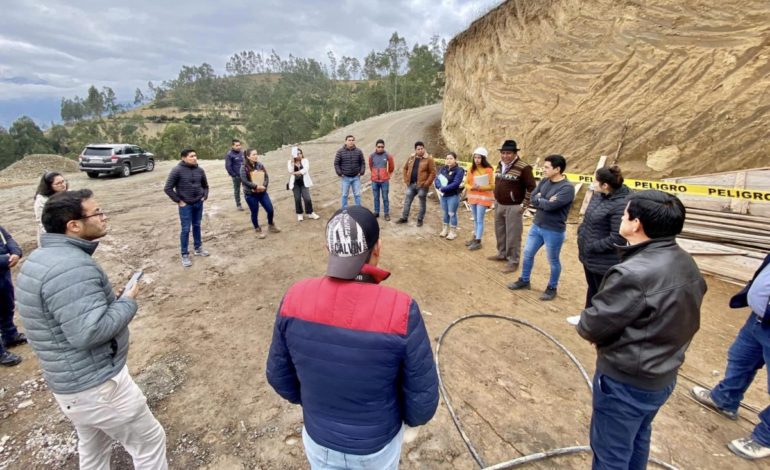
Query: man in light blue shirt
749	352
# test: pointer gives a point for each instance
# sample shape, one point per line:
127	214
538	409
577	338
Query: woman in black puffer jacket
598	234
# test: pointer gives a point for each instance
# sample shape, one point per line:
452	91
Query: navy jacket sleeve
280	371
230	165
171	182
11	247
338	163
456	181
419	380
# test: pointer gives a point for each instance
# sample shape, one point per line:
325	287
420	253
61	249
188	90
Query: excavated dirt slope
690	78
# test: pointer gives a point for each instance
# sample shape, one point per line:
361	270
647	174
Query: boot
444	230
452	233
476	245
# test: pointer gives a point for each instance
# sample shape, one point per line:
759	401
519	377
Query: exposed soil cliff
689	80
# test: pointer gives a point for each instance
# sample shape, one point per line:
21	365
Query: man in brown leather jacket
419	173
642	320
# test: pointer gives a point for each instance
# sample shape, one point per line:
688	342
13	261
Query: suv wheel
150	165
92	174
126	171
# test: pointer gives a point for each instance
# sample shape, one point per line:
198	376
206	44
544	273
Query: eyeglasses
100	214
59	183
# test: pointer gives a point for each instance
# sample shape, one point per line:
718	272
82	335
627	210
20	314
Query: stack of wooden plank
723	262
729	229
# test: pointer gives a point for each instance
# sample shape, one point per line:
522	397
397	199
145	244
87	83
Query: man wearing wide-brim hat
514	182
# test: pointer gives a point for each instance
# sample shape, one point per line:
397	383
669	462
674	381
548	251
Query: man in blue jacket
749	352
78	327
10	254
233	164
553	199
188	187
354	353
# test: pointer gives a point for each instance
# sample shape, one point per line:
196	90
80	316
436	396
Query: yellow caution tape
667	186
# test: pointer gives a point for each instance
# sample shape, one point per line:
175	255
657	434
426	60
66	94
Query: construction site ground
201	337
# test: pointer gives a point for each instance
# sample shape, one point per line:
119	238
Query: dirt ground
200	340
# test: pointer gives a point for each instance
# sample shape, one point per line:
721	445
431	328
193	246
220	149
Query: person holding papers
255	180
449	184
481	185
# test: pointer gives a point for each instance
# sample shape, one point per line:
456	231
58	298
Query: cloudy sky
51	49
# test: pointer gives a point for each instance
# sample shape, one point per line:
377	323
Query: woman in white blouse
300	183
50	183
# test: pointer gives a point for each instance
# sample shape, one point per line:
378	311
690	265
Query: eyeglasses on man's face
101	214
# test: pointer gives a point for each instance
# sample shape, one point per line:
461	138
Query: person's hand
260	189
13	260
475	187
132	292
182	203
552	199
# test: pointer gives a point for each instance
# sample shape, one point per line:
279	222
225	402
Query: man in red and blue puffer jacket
355	354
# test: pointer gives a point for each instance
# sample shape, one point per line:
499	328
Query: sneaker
273	229
402	220
260	235
239	207
748	448
300	218
387	217
20	338
519	284
9	359
444	231
313	216
476	245
703	396
548	294
419	223
377	215
451	235
201	252
470	242
186	262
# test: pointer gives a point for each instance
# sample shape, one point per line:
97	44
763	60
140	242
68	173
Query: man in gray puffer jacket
79	330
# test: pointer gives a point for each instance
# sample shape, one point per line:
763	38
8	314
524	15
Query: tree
371	66
109	101
8	150
94	102
28	137
59	137
394	58
138	97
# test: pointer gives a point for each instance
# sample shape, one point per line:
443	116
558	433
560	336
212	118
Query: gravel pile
33	166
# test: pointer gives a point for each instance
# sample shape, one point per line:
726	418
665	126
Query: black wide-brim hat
509	145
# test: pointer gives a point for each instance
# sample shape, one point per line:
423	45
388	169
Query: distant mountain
42	110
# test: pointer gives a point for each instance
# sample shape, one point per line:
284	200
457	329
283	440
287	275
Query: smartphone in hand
131	282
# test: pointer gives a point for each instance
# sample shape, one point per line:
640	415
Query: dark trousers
411	191
621	423
237	190
254	200
7	327
594	280
302	193
190	216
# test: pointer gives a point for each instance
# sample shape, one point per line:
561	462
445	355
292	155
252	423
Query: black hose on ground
526	458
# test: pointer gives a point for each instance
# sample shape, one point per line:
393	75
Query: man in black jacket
642	320
749	352
188	188
10	254
350	166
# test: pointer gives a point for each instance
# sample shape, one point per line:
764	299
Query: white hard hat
481	151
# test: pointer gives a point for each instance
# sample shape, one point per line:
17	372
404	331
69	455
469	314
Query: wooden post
740	206
590	193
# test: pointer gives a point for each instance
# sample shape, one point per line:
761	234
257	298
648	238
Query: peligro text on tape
667	186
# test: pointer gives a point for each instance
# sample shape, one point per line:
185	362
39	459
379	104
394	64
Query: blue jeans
749	352
553	241
254	200
322	458
621	423
383	187
347	183
411	191
191	215
478	212
449	206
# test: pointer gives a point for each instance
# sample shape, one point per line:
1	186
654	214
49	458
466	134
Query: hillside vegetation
681	84
267	101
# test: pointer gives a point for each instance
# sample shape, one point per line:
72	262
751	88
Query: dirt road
199	342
